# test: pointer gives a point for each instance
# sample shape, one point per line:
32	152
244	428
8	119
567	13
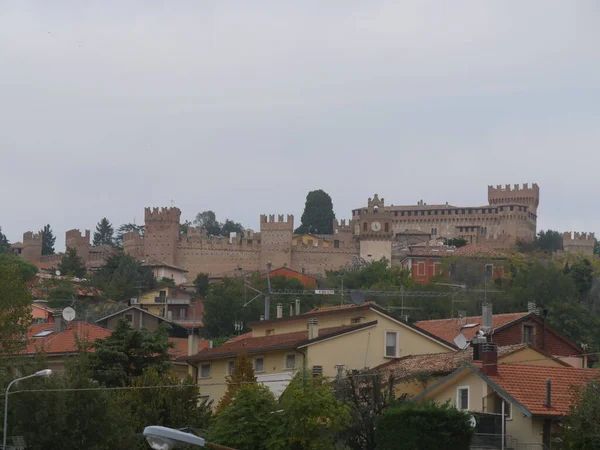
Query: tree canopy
104	233
318	214
243	373
15	304
71	264
124	229
549	241
582	425
124	277
27	270
207	220
201	284
4	244
48	240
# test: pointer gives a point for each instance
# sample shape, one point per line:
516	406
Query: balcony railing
172	301
187	320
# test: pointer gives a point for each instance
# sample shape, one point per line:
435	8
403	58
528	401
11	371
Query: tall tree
48	240
27	270
126	228
596	247
318	214
549	241
207	220
243	373
72	264
201	284
183	227
124	277
229	226
4	244
104	233
15	304
127	352
582	425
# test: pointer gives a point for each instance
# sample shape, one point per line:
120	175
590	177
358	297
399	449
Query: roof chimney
291	309
262	317
192	343
477	344
313	329
58	321
279	310
548	393
297	306
490	359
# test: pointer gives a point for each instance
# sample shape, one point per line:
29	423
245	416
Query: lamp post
163	438
41	373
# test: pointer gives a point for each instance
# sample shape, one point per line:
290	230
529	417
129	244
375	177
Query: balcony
171	301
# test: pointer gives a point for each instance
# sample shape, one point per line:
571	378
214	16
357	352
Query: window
434	231
336	244
386	227
230	367
529	334
290	361
182	313
402	213
317	371
420	268
204	371
259	365
462	398
512	208
391	344
365	226
204	398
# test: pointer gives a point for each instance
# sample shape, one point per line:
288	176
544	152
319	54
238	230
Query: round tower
161	234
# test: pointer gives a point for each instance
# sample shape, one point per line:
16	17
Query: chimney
291	309
297	306
262	317
313	329
477	344
192	343
531	307
58	321
279	310
548	393
489	359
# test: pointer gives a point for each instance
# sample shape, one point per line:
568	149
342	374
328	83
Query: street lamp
163	438
41	373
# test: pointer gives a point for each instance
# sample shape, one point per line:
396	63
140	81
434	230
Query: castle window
470	211
436	212
365	226
501	208
483	211
409	213
512	208
396	213
463	211
336	244
402	213
387	227
443	212
422	213
428	213
434	231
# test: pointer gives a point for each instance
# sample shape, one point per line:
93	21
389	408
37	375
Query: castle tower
80	242
276	240
161	234
526	196
579	243
375	230
32	246
133	244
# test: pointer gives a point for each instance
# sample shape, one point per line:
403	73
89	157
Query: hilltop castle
374	231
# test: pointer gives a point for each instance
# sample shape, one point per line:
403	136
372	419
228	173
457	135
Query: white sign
324	291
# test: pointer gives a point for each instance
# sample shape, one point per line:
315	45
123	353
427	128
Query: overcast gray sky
243	107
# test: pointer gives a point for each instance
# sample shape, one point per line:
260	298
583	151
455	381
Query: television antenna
57	273
461	341
68	314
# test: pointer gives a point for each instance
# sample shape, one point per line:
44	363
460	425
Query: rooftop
65	341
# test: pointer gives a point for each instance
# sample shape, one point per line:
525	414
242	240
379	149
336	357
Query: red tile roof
325	309
241	337
274	342
527	385
448	329
474	250
65	341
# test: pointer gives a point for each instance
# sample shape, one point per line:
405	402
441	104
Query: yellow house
533	398
355	337
169	302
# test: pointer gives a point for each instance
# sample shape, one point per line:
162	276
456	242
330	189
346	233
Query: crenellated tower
276	240
579	242
525	196
161	234
80	242
32	246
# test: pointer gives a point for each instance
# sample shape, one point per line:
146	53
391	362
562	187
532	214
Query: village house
307	281
172	303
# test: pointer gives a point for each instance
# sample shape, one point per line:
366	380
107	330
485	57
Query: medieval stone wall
579	242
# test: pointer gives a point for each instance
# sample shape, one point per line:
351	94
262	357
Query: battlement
31	238
203	242
76	235
270	222
516	194
164	214
341	226
132	236
583	237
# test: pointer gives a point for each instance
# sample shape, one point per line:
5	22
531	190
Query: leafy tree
248	420
596	246
183	227
72	264
62	294
207	220
4	244
201	284
582	274
318	214
124	277
127	352
457	242
229	226
48	240
27	271
549	241
575	322
582	424
312	415
126	228
15	304
104	233
243	373
166	282
423	427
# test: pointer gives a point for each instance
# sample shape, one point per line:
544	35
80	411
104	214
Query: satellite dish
461	341
68	314
57	273
472	421
357	297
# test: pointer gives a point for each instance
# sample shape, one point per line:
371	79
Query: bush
426	427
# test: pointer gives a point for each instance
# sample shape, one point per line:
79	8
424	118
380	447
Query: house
427	262
534	399
41	312
139	318
354	337
307	281
170	302
413	374
183	347
161	270
509	329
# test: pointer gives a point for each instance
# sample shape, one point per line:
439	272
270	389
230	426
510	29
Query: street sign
324	291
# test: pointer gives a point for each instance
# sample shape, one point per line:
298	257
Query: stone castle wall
579	242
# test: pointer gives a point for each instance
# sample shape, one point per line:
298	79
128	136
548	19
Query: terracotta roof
287	269
241	337
274	342
65	341
438	251
325	309
151	261
474	250
527	385
448	329
181	346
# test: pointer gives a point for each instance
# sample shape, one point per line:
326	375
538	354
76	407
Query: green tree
123	277
423	427
248	421
4	244
48	240
71	264
312	415
596	246
201	284
243	373
183	227
127	352
27	270
207	220
549	241
582	424
229	226
126	228
582	274
104	233
318	214
62	294
15	304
